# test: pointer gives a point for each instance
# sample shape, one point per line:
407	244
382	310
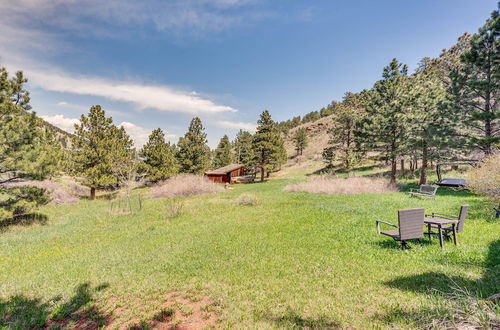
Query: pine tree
428	117
223	155
194	154
28	150
243	148
98	148
384	128
342	143
300	140
159	162
476	86
268	145
329	155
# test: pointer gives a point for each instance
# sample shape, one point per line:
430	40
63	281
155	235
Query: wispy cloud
189	16
237	125
143	96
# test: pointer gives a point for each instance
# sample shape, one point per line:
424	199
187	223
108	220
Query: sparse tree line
448	108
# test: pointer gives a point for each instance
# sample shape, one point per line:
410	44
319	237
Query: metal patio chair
410	226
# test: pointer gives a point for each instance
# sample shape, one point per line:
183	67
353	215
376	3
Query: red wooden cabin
225	174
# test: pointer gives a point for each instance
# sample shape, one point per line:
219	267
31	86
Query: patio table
439	223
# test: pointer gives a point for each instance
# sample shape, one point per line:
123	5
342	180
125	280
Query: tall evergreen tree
384	128
268	145
27	149
476	86
428	117
300	140
98	148
159	162
243	149
194	154
223	155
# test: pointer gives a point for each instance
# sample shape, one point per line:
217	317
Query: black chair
410	226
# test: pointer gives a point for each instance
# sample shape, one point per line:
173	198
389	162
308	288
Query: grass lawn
293	260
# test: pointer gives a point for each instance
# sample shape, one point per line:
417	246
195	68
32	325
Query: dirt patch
91	318
181	311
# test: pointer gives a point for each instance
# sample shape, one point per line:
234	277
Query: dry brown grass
322	184
60	193
246	199
185	185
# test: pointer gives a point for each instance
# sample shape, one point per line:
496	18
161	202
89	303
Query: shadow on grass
443	285
291	320
21	312
392	244
23	220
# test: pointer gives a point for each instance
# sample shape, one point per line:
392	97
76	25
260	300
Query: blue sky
158	63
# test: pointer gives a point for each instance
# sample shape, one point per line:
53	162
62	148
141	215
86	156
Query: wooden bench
424	191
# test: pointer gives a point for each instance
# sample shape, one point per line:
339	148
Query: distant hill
62	136
311	158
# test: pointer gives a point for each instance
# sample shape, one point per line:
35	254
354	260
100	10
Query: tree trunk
393	169
423	172
92	193
402	167
487	126
262	174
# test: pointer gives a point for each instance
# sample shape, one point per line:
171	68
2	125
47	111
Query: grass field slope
286	260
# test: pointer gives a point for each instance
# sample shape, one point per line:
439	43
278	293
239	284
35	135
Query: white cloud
160	97
137	133
237	125
64	123
62	103
140	134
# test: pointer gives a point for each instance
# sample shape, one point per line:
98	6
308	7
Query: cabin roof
225	169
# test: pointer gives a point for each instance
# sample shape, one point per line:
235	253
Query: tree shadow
22	312
440	284
292	320
23	220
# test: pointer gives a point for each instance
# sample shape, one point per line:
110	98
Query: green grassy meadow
294	260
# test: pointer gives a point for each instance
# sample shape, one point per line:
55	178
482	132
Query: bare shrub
77	189
322	184
466	312
185	185
247	200
60	193
485	180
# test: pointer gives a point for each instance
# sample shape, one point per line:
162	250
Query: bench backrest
430	190
411	223
461	217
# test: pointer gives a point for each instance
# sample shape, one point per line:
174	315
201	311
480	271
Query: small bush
485	180
247	200
323	184
185	185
